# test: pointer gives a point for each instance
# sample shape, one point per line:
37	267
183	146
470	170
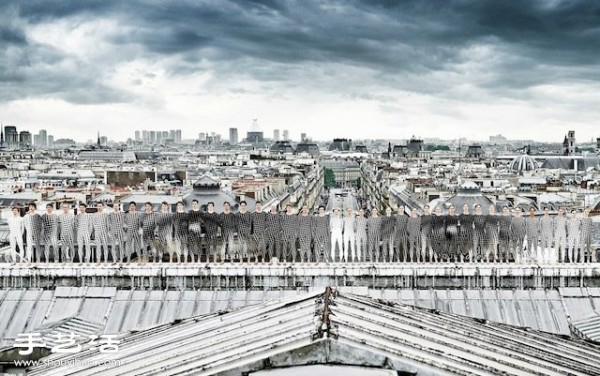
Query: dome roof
469	186
470	194
523	163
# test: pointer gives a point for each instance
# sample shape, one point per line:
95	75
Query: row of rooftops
427	178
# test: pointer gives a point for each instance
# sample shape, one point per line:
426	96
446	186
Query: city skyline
175	136
355	69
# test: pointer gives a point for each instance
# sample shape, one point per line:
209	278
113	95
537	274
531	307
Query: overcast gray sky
357	69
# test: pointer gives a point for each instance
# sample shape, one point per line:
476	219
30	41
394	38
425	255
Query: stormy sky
357	69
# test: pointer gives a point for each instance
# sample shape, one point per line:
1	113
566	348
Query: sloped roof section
28	310
588	328
80	329
345	329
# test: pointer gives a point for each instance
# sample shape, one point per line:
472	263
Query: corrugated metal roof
456	344
211	341
79	328
336	328
537	309
24	310
588	328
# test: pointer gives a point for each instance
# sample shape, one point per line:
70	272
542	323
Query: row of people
185	235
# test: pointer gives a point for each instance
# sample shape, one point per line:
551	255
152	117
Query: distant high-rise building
302	137
25	140
50	142
159	137
43	138
202	136
103	141
11	136
152	137
276	135
165	135
233	136
138	136
286	135
145	137
177	139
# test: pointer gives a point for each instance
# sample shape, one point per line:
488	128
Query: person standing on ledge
149	232
164	230
101	232
574	230
244	230
50	233
273	234
194	220
289	228
491	233
118	233
228	223
532	233
504	234
84	233
320	235
33	230
466	220
305	234
336	225
66	224
259	229
438	233
401	236
426	224
387	235
560	235
133	225
211	226
585	238
181	235
349	235
479	245
361	236
374	235
413	229
547	235
16	226
452	235
518	231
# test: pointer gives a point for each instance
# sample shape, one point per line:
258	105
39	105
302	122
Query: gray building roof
571	163
27	310
339	328
588	327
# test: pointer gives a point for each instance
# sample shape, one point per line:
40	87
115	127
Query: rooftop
340	328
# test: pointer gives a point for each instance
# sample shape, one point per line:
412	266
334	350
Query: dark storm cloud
11	36
406	45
